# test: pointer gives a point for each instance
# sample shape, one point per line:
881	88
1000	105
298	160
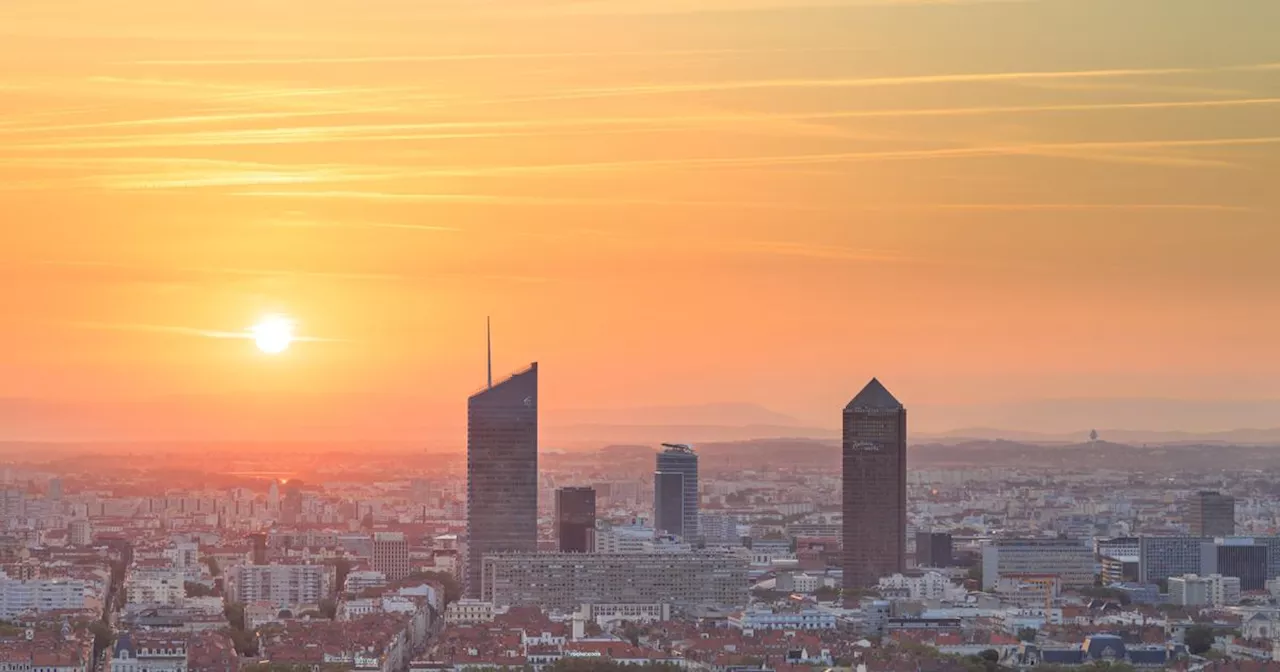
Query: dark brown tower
875	487
576	519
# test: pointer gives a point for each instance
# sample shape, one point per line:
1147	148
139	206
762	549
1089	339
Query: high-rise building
875	487
575	519
1212	514
676	459
55	489
933	549
502	471
668	502
1238	557
390	555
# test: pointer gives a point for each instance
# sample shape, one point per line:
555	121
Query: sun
273	334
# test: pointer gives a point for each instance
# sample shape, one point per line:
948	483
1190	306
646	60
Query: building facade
285	586
1212	514
874	456
1071	560
564	581
390	555
502	471
675	491
575	516
933	549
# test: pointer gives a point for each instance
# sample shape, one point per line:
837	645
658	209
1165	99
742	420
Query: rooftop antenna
488	338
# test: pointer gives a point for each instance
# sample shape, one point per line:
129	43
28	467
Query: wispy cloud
494	56
189	331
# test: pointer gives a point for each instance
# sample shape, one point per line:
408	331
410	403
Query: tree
197	589
245	643
102	637
1199	638
452	589
827	594
234	611
212	563
1027	634
341	568
975	574
328	609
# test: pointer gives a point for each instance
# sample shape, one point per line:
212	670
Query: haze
985	204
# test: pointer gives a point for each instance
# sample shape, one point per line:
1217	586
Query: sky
663	202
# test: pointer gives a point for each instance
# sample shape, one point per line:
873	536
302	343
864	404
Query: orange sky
763	201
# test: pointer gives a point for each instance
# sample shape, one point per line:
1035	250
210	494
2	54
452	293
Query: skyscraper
875	486
575	519
676	459
1212	514
502	471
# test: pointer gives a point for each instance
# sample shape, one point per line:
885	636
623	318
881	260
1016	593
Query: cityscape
650	335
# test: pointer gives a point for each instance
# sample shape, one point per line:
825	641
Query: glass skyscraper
502	471
675	491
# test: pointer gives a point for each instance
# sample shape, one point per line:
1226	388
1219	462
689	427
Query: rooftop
874	397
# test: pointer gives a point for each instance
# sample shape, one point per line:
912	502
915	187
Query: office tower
390	555
1165	557
933	549
676	459
562	582
575	519
668	502
259	548
502	470
1212	514
273	497
875	487
1239	557
55	489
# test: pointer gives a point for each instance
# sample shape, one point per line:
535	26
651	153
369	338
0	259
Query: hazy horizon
984	204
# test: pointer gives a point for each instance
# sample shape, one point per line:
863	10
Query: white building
154	586
286	586
467	610
636	539
357	582
39	595
1216	590
767	619
148	653
929	586
1069	559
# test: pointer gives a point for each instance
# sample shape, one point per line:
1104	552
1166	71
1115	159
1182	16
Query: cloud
185	331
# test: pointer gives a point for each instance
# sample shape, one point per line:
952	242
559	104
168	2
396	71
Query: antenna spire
488	338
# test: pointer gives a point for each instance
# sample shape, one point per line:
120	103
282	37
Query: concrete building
675	491
928	586
390	555
575	519
19	597
1240	557
502	471
1212	514
563	581
154	586
874	454
1164	557
636	539
767	619
1212	590
468	611
285	586
1069	559
80	532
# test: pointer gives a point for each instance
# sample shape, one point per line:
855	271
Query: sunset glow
664	202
